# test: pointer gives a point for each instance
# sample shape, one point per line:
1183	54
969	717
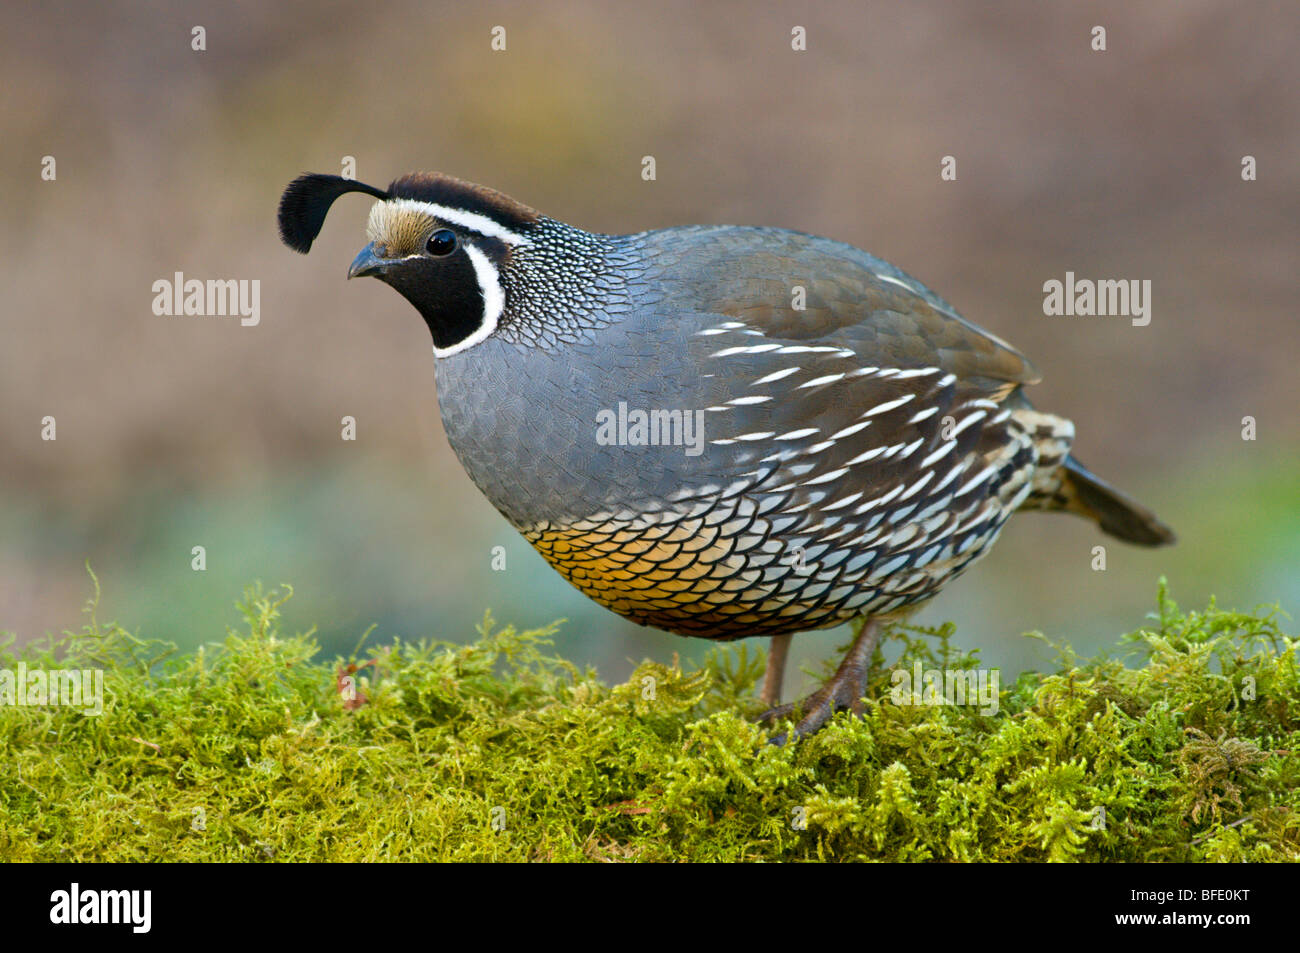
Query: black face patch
446	293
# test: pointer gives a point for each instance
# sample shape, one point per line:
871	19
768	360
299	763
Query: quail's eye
442	242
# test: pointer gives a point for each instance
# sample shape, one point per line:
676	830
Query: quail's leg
843	690
775	674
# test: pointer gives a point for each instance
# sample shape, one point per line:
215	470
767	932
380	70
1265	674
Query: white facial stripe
494	302
455	216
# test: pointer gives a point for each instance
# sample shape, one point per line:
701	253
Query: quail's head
440	242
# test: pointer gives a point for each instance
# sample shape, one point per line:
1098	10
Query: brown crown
457	193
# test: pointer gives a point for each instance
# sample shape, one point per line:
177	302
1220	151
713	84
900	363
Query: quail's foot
775	673
842	691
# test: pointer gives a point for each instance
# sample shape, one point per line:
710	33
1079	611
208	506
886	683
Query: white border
456	216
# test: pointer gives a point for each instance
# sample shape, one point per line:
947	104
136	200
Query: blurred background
174	432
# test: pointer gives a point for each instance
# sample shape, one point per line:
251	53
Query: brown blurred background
183	431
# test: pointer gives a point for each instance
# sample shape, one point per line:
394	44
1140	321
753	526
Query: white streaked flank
966	422
880	500
915	487
946	448
813	349
869	455
745	349
818	381
775	376
888	405
951	476
844	502
896	281
827	477
850	430
976	480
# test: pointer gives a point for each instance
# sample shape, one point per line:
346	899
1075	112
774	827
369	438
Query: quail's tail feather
1085	494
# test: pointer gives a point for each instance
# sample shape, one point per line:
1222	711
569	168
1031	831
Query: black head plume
306	201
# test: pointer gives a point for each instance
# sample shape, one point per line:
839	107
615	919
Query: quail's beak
368	263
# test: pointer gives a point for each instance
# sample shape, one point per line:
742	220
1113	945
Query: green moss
494	750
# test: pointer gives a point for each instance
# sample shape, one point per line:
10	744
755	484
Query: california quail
719	431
